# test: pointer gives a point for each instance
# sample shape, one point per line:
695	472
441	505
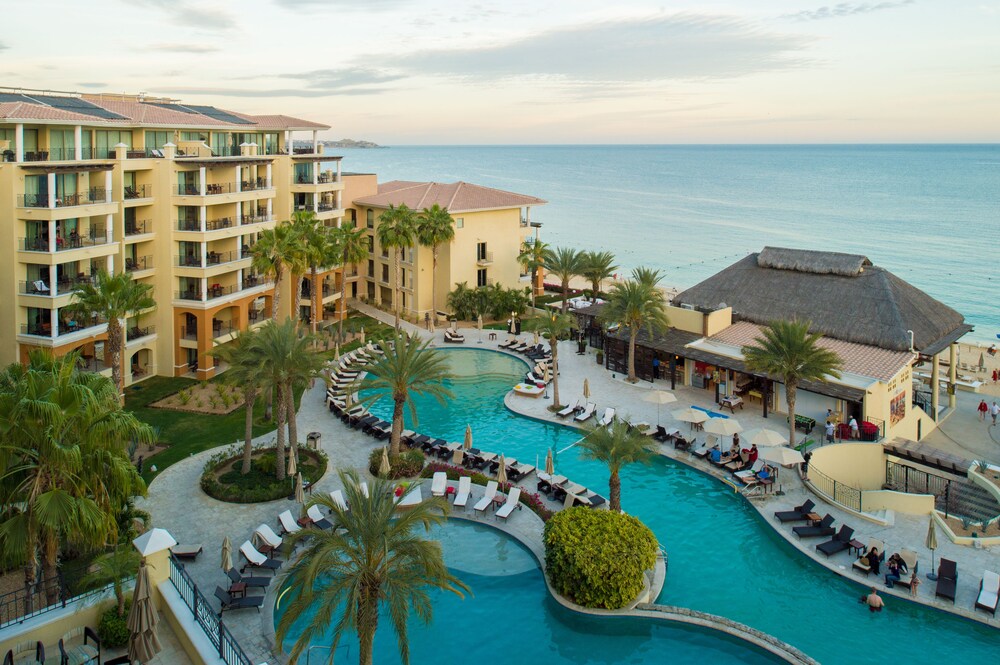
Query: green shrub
598	558
113	629
260	484
407	464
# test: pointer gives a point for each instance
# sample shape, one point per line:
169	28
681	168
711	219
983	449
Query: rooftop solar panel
218	114
171	107
11	97
74	104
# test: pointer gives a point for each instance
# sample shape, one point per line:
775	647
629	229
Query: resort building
490	227
175	194
881	327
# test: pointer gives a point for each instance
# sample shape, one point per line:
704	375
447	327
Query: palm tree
435	226
114	298
114	568
553	328
397	231
375	558
286	363
617	445
532	257
564	263
243	356
270	255
353	244
409	366
597	267
636	304
65	474
788	350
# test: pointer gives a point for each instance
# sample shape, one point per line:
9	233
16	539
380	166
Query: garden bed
209	397
222	479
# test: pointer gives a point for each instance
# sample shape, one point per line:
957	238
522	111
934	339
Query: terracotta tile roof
280	121
881	364
25	111
456	196
152	115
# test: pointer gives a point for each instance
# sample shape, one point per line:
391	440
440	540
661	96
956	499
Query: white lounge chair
484	503
320	522
607	418
512	498
748	474
256	559
587	412
364	489
989	592
411	498
40	286
338	499
439	484
570	409
464	490
268	536
288	523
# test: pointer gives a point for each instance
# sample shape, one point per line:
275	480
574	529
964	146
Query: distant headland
351	143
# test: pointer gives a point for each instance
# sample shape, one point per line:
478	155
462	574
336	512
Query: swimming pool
723	560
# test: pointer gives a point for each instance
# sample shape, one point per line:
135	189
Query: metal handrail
222	639
839	492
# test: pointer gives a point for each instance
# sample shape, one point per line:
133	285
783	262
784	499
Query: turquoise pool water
721	558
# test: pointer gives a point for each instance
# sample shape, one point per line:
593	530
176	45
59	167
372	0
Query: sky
528	72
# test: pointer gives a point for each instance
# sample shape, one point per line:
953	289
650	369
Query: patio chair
411	498
866	568
797	514
824	528
513	341
464	491
519	471
268	538
587	413
76	652
513	499
452	337
439	483
989	592
947	580
363	486
288	523
318	521
839	543
230	603
257	560
547	483
607	418
337	496
484	503
251	582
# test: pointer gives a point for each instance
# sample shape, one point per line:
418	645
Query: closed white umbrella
536	338
586	389
782	455
479	324
931	543
227	555
690	415
143	644
764	437
502	471
293	466
300	492
467	444
660	397
549	465
723	426
362	336
383	467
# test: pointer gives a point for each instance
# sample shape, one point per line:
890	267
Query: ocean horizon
927	212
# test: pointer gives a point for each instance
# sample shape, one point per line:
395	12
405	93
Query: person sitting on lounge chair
892	572
716	455
734	449
874	559
766	472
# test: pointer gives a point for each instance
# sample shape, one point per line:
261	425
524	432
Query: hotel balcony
138	227
138	264
136	333
89	197
216	189
484	259
70	329
93	238
210	259
138	192
217	292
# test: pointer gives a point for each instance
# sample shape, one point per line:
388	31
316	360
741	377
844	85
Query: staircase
968	500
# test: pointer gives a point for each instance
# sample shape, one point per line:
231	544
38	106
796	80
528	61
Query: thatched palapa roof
845	297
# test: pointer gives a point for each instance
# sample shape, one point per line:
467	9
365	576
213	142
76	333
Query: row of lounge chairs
561	488
535	352
581	412
463	493
473	458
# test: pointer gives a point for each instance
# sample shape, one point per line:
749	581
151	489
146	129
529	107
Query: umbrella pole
932	576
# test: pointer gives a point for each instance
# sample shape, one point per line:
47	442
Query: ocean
928	213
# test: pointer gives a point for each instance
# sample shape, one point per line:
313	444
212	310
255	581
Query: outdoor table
493	336
855	546
238	588
731	403
813	517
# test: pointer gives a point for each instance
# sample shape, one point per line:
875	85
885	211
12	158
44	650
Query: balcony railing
138	192
218	290
218	258
138	263
253	185
324	178
136	332
67	327
189	294
246	220
323	206
190	261
93	195
220	328
189	333
484	258
223	223
138	228
188	225
64	242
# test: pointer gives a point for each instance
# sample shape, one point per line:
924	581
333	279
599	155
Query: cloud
268	92
844	9
658	48
316	83
178	47
341	5
3	47
188	14
91	84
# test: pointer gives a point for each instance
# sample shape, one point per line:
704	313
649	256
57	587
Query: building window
385	274
371	269
481	277
460	222
480	251
370	218
158	139
371	244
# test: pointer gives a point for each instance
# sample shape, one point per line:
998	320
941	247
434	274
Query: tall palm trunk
565	289
595	287
397	295
276	298
292	421
554	345
298	298
50	567
343	301
115	349
632	334
249	399
316	304
31	561
790	388
615	487
367	620
397	425
434	271
279	470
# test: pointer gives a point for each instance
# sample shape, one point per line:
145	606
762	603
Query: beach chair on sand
288	523
587	412
989	592
512	502
484	503
464	491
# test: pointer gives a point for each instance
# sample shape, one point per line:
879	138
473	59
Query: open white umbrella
300	492
383	467
690	415
782	455
660	397
467	444
723	426
764	437
227	555
549	465
586	389
502	470
143	644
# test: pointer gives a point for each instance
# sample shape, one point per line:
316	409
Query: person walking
829	432
982	408
656	368
995	411
855	431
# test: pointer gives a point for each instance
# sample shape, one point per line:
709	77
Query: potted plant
600	356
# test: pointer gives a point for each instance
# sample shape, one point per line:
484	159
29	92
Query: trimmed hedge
532	500
405	465
260	484
598	558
